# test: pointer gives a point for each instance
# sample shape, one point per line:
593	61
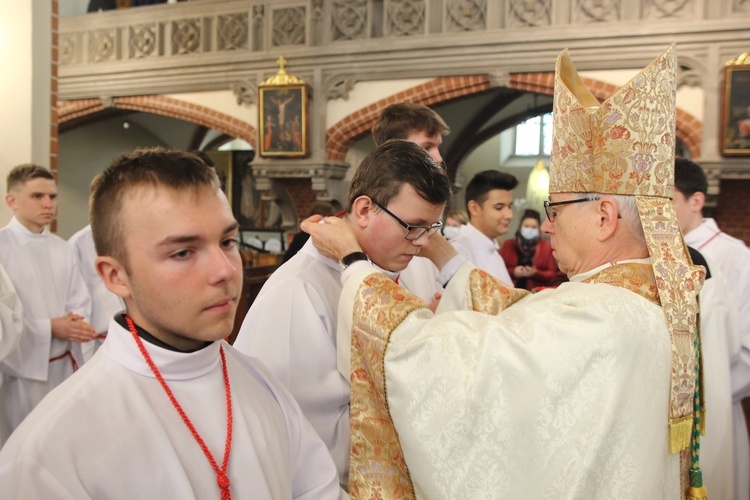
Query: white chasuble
104	304
110	431
11	315
720	344
564	394
292	328
46	276
732	258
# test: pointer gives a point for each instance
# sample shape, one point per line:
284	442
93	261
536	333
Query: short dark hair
530	213
482	183
321	207
398	120
204	157
689	177
148	167
393	164
21	174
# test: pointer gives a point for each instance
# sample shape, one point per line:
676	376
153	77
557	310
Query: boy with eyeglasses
423	126
394	205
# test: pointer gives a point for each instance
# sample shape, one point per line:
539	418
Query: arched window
534	136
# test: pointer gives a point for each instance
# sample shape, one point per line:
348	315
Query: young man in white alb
424	127
729	263
165	408
489	203
56	302
395	201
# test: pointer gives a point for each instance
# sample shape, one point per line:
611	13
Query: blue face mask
529	233
450	232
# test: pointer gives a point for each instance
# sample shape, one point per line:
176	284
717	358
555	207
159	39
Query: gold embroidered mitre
625	146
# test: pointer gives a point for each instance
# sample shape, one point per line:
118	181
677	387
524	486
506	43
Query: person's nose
436	156
222	266
422	240
546	226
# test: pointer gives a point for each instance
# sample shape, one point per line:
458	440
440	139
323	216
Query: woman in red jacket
529	258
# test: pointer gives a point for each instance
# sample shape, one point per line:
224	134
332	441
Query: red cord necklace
221	474
717	233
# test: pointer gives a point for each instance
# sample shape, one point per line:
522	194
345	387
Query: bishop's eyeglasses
412	232
552	212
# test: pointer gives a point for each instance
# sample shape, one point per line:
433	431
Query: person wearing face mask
453	223
529	258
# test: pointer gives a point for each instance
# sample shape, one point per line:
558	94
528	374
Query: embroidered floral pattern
377	466
488	295
678	283
638	278
623	146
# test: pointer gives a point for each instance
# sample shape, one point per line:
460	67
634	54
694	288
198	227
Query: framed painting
283	121
224	170
735	121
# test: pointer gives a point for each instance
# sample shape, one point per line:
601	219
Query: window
534	136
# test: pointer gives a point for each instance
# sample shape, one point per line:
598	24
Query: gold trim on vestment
377	466
487	294
633	276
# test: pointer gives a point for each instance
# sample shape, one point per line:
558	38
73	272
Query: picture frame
283	120
735	99
233	168
225	171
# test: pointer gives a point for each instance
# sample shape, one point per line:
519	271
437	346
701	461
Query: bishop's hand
332	236
438	250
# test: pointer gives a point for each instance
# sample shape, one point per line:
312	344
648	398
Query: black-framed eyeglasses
412	232
552	213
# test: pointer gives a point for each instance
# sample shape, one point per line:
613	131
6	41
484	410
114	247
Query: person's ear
696	202
10	199
608	217
113	275
363	208
474	208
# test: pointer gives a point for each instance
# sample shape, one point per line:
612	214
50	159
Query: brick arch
166	106
341	136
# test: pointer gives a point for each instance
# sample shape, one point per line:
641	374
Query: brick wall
341	136
166	106
301	192
732	211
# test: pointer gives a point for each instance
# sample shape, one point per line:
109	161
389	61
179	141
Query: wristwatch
351	258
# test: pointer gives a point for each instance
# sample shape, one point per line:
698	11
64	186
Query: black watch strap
351	258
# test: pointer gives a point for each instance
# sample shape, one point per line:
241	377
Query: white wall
223	101
689	99
84	152
73	7
26	53
364	94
